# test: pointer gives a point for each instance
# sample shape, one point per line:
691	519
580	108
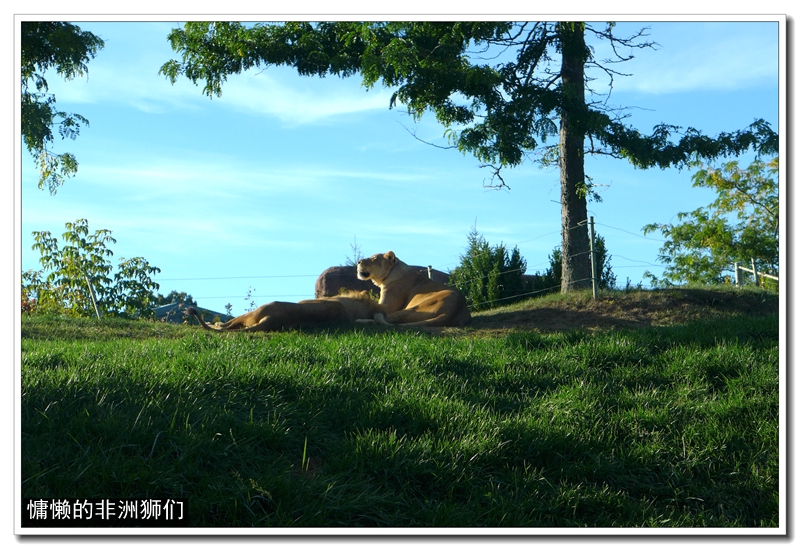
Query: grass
662	426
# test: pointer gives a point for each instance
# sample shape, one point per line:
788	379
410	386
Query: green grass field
659	426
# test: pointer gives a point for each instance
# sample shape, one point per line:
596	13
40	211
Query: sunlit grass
668	426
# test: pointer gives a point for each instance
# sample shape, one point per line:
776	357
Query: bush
489	274
550	280
76	278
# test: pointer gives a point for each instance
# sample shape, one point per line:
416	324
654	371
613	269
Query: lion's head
409	297
377	267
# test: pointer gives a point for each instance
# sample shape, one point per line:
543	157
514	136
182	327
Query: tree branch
414	135
495	175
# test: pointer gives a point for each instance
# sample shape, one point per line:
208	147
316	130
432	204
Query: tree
79	273
740	225
65	48
355	247
500	113
76	278
133	288
488	274
607	280
551	278
174	297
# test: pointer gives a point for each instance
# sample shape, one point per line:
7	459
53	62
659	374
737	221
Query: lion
410	298
278	315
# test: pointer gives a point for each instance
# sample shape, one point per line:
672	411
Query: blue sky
268	185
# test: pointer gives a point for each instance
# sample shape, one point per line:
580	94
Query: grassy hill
640	409
628	309
551	313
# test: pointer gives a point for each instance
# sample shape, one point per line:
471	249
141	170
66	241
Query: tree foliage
500	89
551	278
352	260
174	296
77	275
47	46
497	112
489	275
740	225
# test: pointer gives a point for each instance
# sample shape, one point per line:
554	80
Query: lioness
279	315
409	297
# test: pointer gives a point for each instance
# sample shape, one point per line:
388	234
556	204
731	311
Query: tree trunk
575	266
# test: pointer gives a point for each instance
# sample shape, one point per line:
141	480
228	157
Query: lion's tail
193	312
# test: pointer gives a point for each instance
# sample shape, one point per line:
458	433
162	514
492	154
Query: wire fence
637	264
525	294
236	277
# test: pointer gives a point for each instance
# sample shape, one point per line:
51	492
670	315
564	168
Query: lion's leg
279	315
247	319
304	314
265	324
440	309
409	317
380	318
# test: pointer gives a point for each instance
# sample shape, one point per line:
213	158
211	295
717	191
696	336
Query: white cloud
298	100
691	57
701	57
216	179
289	98
126	71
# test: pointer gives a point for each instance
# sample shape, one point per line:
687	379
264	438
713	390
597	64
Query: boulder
335	279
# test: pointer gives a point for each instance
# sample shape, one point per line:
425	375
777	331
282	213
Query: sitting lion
409	297
278	315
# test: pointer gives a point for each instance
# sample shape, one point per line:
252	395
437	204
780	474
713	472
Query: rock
335	279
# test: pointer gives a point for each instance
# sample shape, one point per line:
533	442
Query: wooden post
755	272
737	274
94	300
592	258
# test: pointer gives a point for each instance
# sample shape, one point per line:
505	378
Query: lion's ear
390	256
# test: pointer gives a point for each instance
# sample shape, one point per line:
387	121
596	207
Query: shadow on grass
371	427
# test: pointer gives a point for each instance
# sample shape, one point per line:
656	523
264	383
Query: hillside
626	309
553	313
491	425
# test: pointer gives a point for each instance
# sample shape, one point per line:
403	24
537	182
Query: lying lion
409	297
279	315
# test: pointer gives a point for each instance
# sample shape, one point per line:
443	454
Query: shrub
489	274
76	278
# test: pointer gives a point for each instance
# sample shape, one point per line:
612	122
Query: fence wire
473	305
575	226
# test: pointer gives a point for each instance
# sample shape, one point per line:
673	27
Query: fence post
94	300
755	272
592	258
737	274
